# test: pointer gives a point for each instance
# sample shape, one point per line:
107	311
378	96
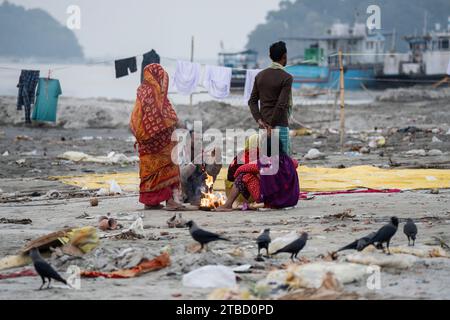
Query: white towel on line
217	81
250	82
186	77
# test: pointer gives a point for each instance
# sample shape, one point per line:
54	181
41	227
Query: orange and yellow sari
152	122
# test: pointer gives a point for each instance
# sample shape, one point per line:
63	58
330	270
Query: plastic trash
137	227
436	140
210	277
435	152
417	152
311	275
5	154
314	154
114	187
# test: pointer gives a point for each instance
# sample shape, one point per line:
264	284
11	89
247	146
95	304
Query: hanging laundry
27	89
250	82
149	58
187	77
47	96
448	68
123	65
217	81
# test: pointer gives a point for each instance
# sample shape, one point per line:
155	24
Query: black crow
410	230
359	244
263	241
385	234
202	236
295	247
45	270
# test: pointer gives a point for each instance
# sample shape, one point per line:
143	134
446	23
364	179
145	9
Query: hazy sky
116	28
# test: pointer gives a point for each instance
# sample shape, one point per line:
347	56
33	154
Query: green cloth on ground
47	96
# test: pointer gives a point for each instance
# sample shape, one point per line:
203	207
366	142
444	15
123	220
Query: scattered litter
102	192
397	261
21	162
114	187
422	251
176	221
138	226
312	275
448	132
107	223
431	178
53	194
23	138
210	277
314	154
15	221
143	267
436	140
128	235
20	274
111	158
347	214
300	132
243	269
377	142
352	154
74	242
417	152
31	153
5	154
435	152
330	289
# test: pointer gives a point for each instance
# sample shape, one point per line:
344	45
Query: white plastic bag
210	277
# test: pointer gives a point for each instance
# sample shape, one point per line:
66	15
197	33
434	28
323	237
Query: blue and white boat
319	66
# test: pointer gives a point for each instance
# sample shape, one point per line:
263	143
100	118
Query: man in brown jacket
271	98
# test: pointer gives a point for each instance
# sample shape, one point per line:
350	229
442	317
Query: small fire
210	199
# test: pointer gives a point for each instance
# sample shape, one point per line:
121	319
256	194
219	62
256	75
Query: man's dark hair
277	50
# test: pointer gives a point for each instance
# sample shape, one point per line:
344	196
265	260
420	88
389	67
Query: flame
211	199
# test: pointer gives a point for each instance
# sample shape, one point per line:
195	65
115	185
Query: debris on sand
210	277
111	158
396	261
417	152
314	154
15	221
176	221
330	289
312	275
145	266
435	153
347	214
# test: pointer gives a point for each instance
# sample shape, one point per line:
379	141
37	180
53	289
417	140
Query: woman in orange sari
152	122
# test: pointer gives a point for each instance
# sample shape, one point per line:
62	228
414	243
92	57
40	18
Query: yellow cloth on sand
311	179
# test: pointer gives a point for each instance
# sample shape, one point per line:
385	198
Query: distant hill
35	34
314	17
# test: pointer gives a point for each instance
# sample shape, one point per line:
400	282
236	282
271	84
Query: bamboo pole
192	60
342	92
